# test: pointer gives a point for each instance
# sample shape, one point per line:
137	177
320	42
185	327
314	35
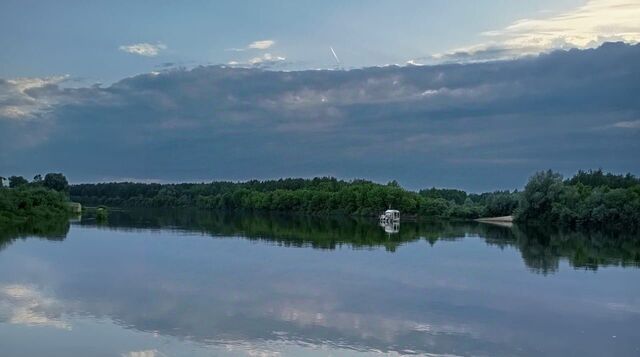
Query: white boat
390	216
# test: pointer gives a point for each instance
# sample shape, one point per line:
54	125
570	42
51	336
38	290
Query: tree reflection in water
542	248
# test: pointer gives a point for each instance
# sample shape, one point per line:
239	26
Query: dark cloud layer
476	126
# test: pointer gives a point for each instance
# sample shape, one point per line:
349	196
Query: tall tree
17	181
543	189
56	181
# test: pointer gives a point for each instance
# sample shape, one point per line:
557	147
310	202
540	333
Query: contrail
335	56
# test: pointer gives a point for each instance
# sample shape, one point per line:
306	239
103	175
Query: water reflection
153	283
26	305
390	227
542	248
54	229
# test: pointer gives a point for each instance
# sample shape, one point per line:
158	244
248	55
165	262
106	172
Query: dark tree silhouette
56	182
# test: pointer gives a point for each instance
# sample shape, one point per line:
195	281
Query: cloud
587	26
266	60
423	125
261	45
143	353
22	98
144	49
631	124
25	305
255	45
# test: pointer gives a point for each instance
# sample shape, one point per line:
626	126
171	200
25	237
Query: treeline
589	198
52	181
314	196
593	198
33	206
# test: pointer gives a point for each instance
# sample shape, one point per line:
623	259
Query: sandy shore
506	221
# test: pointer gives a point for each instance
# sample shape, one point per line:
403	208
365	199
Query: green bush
27	205
588	199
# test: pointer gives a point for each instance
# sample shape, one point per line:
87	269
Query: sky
96	41
470	94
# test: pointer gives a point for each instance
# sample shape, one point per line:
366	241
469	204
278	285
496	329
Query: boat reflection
542	248
390	227
195	283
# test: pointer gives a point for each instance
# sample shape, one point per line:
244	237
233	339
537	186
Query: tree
541	192
454	195
56	181
499	203
2	181
37	179
17	181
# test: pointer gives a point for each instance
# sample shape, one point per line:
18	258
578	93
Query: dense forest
589	198
314	196
593	198
33	207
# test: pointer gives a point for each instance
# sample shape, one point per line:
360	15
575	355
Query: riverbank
30	206
588	199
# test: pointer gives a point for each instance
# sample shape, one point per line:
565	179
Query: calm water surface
186	283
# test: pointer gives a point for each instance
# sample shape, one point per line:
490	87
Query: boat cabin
390	215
